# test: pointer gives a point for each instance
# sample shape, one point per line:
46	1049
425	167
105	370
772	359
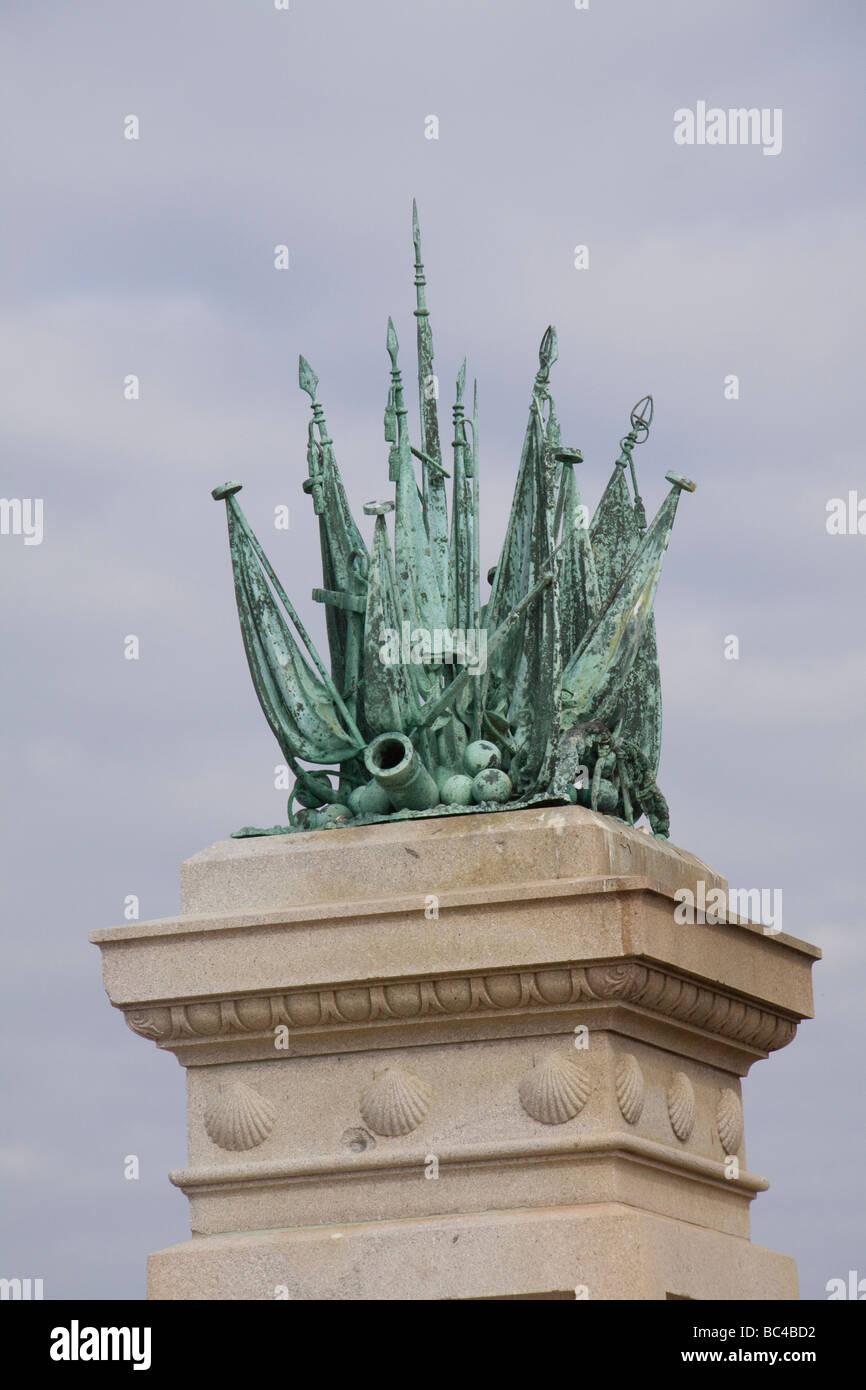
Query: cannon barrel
394	764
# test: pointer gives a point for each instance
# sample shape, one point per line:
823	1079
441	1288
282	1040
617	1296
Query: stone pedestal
462	1058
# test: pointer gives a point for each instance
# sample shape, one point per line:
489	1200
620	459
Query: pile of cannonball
482	778
481	781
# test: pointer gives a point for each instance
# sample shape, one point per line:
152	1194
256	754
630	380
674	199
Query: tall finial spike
416	230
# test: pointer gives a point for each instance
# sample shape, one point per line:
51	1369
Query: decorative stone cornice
660	992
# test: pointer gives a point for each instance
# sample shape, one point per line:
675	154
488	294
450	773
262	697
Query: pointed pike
465	716
476	516
460	604
435	503
344	554
388	698
417	584
579	598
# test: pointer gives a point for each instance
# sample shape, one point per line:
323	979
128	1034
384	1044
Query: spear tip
416	230
461	381
307	379
391	343
548	351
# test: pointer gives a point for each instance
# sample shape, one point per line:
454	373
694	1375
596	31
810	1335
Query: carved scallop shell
729	1121
681	1106
555	1091
239	1118
395	1102
630	1088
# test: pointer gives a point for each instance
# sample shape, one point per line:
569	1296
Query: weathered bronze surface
435	704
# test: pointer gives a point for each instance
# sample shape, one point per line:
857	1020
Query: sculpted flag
594	678
615	534
577	581
300	710
511	579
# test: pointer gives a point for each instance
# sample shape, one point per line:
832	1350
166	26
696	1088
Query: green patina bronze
434	704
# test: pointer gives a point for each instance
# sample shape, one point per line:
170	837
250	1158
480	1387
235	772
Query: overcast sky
156	257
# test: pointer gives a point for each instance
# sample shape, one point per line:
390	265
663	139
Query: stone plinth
469	1057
